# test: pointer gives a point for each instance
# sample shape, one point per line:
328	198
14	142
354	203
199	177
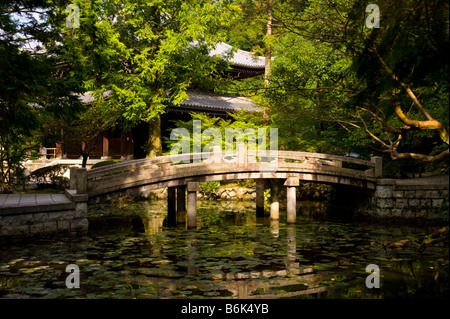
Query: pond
130	253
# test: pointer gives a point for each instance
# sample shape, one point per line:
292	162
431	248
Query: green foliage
401	168
33	85
239	121
208	187
246	32
50	176
143	56
329	89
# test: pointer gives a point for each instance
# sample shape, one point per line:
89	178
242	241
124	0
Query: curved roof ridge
227	102
240	58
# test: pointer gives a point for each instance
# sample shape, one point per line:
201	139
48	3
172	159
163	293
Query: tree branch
425	158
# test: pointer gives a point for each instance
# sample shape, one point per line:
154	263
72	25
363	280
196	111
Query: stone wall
407	199
234	193
306	191
44	220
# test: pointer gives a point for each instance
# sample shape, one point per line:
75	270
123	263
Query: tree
307	81
27	85
256	31
399	88
142	56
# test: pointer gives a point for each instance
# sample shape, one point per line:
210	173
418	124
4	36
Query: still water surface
130	253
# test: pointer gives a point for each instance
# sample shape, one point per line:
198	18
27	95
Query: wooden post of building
181	204
259	197
192	188
171	210
292	183
123	144
106	154
129	145
58	151
274	205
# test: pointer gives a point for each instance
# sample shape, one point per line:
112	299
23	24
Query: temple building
118	144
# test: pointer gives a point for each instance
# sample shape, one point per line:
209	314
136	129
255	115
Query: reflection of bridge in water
288	280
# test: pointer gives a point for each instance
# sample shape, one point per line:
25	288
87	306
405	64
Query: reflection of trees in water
213	261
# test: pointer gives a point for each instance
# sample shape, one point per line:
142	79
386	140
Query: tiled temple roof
211	101
240	58
203	100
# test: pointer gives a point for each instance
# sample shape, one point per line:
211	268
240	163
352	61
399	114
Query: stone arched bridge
183	172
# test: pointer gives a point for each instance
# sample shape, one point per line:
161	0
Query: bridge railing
242	156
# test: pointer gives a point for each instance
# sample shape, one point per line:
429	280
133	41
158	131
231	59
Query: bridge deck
176	170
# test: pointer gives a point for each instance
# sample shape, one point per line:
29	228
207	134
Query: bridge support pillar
259	197
275	204
181	204
291	191
171	202
192	188
291	204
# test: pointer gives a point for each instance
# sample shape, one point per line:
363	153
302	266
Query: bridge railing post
73	178
78	179
242	155
216	154
378	169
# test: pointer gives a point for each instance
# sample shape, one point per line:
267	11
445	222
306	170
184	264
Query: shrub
208	187
50	176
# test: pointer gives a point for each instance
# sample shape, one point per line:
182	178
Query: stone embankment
420	198
29	215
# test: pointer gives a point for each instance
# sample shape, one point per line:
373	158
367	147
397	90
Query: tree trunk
268	57
154	146
154	138
85	158
268	45
319	124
